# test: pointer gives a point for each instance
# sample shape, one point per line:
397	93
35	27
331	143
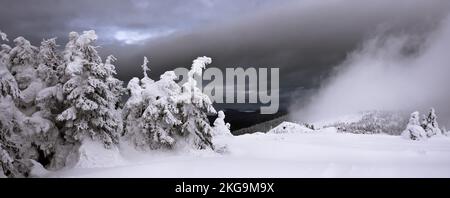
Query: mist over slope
390	72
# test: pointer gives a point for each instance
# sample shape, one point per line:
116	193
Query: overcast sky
304	38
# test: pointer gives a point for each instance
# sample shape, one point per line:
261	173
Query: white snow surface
319	153
94	155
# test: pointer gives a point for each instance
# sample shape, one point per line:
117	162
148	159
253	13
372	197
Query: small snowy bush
220	127
413	130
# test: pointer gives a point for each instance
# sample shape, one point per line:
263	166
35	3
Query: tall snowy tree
159	117
8	84
26	134
5	49
50	99
12	144
23	62
4	53
92	93
8	91
132	114
194	106
146	81
150	112
413	130
49	60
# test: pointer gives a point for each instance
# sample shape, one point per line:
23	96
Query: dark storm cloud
48	18
304	38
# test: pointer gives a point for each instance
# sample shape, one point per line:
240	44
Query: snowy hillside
321	153
368	122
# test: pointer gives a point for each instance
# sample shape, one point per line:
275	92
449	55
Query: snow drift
324	153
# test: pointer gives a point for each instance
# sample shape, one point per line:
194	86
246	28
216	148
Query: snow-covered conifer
4	53
49	60
194	107
220	127
146	81
13	143
92	93
49	100
25	137
150	112
413	130
6	164
431	124
23	62
160	115
8	85
132	114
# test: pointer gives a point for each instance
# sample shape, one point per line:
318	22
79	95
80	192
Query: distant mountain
240	119
371	122
262	127
368	122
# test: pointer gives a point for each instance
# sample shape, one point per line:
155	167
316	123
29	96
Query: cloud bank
400	72
306	39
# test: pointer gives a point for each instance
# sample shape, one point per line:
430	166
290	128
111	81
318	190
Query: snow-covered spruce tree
52	70
25	133
160	116
4	48
150	112
8	91
23	62
220	127
50	99
4	53
8	85
6	166
431	125
146	81
10	118
49	60
193	107
413	130
133	129
92	93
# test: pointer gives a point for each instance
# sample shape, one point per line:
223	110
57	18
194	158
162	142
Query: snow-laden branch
3	36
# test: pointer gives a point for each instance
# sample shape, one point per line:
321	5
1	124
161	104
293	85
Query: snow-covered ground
301	153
